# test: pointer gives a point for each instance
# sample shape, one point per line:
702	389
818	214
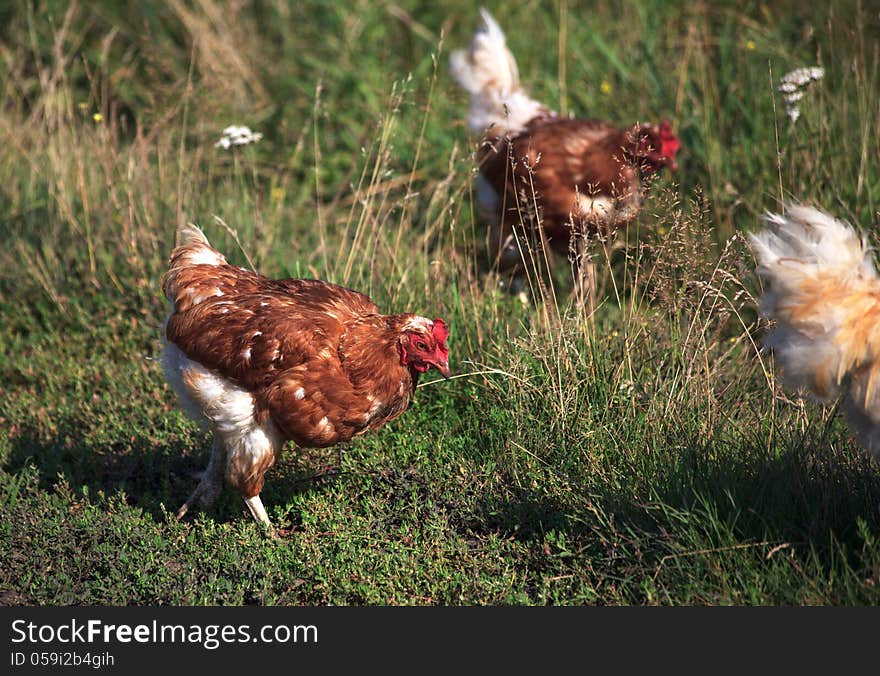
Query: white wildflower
794	85
236	135
801	77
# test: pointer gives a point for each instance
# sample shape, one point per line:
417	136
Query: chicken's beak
443	367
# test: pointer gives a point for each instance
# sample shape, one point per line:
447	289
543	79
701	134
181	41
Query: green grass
643	456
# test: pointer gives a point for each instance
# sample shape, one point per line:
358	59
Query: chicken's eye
420	345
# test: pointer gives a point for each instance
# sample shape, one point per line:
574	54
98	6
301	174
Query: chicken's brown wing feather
571	155
556	163
249	328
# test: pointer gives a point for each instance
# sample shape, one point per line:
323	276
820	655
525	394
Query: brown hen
260	361
562	179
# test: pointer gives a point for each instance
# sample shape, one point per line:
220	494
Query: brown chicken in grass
259	361
561	179
824	297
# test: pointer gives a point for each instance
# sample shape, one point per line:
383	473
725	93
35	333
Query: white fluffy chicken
824	295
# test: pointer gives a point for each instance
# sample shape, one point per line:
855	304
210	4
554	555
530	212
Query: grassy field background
645	455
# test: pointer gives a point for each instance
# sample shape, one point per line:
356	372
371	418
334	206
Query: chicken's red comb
440	331
669	143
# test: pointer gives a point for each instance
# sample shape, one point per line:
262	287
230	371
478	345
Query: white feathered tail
824	295
488	72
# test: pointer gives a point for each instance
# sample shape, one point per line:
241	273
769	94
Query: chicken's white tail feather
807	249
488	64
810	241
488	72
191	234
824	296
193	248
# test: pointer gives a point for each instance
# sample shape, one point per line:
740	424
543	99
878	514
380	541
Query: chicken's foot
210	484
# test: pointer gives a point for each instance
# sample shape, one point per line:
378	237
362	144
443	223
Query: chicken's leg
211	482
585	285
584	274
255	505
